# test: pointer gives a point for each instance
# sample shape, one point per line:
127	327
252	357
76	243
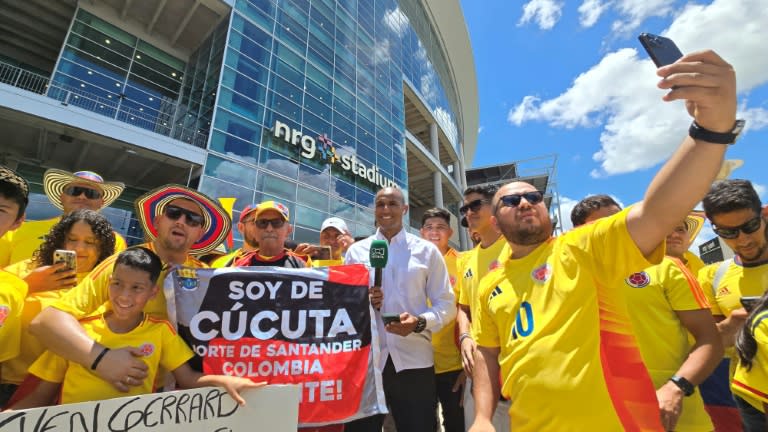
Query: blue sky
570	78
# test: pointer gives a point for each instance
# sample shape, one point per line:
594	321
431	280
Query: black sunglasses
473	205
747	227
75	191
513	200
264	223
191	218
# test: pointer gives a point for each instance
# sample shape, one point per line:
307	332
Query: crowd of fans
610	326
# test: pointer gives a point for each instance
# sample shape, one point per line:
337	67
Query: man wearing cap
248	230
68	192
665	299
14	197
178	222
269	220
334	234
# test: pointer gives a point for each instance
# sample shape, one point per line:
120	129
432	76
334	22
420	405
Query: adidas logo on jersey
496	291
468	274
724	291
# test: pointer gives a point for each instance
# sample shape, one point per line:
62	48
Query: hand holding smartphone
662	50
390	318
67	257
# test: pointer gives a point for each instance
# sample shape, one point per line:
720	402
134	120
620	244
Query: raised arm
708	85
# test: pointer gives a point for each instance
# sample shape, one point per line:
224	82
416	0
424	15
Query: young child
133	283
750	380
14	193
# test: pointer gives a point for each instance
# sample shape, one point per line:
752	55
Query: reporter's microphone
377	256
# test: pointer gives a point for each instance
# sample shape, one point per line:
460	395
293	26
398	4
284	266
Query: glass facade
301	101
301	76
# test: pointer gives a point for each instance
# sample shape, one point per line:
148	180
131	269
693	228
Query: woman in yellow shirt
750	380
89	235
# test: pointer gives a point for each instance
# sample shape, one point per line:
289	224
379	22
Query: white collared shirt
415	273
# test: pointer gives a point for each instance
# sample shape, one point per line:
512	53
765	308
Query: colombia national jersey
568	358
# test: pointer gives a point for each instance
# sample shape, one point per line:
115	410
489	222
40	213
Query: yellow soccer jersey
569	361
447	357
161	346
752	385
327	263
475	264
15	370
693	262
93	292
227	260
12	293
653	296
739	280
23	242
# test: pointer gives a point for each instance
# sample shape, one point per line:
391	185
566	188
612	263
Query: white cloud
590	11
566	207
396	20
480	130
633	12
545	13
760	189
619	94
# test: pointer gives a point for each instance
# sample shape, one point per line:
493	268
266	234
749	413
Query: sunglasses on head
264	223
747	227
473	205
75	191
513	200
191	218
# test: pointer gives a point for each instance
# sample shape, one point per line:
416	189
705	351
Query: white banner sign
272	408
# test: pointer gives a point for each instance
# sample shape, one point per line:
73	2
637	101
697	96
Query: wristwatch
684	384
698	132
421	324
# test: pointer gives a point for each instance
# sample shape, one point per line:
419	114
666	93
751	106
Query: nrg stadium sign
326	150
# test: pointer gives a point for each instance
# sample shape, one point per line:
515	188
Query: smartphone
390	318
662	50
749	303
323	253
68	257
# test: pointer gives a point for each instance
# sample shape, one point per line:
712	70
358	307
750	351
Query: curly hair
57	236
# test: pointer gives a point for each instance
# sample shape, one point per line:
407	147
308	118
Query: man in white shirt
414	275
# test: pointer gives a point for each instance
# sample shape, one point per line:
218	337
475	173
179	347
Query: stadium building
315	103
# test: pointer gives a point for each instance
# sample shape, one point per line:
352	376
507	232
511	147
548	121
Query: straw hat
56	180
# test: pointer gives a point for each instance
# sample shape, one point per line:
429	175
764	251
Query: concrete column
437	185
433	140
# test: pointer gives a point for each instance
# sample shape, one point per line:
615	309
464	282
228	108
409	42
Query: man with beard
553	321
248	231
178	222
415	285
734	208
271	229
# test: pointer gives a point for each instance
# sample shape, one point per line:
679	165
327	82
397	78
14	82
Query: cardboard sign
209	409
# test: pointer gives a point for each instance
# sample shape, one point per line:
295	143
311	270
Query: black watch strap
684	384
699	133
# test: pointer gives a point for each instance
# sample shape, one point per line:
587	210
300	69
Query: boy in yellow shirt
133	283
14	193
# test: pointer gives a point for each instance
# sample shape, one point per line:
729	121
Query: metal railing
160	122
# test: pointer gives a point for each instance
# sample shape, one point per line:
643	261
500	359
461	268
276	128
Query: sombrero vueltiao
56	180
693	223
217	222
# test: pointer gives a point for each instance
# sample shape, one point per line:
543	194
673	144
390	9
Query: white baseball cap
334	222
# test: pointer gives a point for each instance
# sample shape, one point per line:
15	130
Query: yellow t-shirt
327	263
226	260
752	385
654	295
20	244
157	339
12	293
447	356
569	361
475	264
15	370
693	262
739	280
93	292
